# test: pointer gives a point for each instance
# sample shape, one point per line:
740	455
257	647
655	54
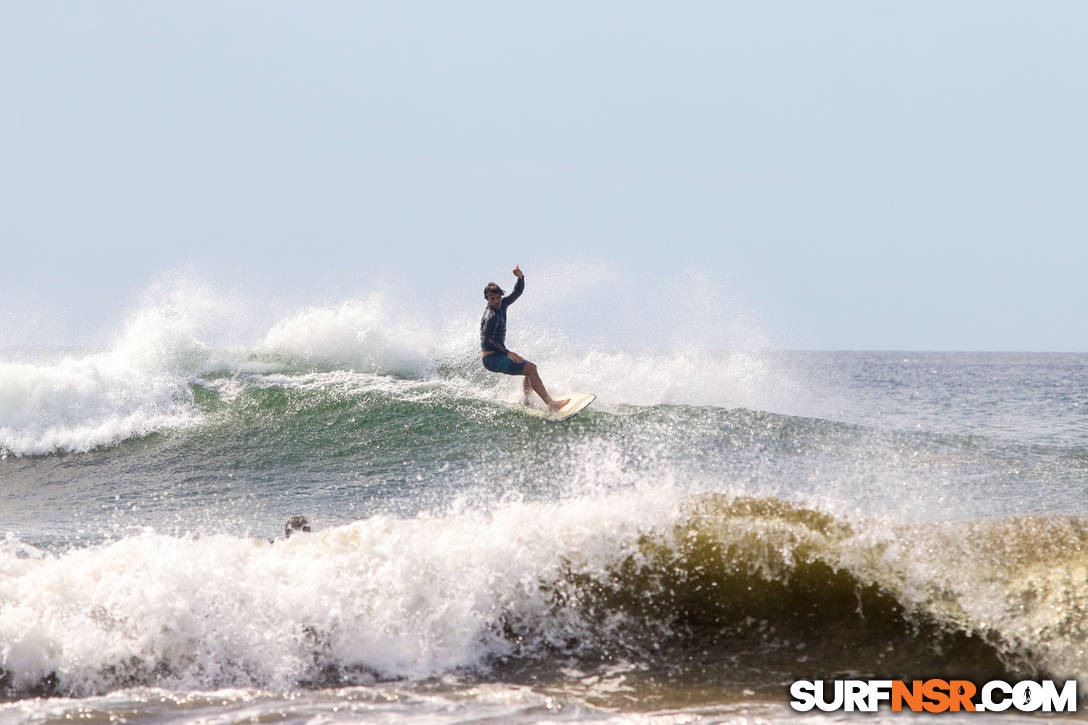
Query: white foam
407	598
137	386
416	598
183	332
81	403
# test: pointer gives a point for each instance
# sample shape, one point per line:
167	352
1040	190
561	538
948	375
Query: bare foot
557	404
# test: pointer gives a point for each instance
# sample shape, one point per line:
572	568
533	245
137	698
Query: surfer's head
296	523
493	294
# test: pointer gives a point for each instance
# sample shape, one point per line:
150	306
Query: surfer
496	357
296	523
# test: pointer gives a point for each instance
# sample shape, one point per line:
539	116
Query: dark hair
492	288
296	523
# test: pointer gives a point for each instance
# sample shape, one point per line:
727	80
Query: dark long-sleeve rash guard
493	323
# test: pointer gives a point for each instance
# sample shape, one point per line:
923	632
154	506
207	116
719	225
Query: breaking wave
748	589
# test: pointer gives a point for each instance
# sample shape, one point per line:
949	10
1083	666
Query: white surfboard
577	403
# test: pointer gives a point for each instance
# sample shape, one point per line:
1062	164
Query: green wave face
677	546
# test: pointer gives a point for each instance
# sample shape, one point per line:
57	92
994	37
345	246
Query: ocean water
717	525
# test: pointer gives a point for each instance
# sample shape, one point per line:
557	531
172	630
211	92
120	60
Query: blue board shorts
500	362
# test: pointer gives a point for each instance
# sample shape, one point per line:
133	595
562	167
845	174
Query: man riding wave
494	354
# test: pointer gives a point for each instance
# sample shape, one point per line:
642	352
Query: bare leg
532	377
526	389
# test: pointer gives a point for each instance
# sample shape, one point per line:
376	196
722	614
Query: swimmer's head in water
296	523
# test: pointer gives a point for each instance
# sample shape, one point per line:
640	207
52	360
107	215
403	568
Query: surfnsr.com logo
933	695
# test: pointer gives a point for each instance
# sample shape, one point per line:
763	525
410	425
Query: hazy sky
849	175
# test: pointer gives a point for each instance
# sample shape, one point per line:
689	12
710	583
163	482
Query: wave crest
749	590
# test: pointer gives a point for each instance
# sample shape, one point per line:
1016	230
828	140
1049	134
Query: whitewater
724	520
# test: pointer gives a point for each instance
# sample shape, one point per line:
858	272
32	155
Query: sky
843	175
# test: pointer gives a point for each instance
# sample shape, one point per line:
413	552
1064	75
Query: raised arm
519	287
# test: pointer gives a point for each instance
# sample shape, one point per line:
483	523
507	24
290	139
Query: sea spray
367	335
81	403
185	334
396	598
722	520
751	588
